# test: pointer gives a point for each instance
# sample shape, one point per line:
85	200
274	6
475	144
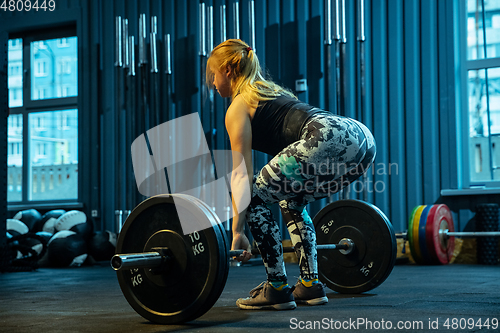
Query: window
483	77
43	122
64	65
63	42
54	67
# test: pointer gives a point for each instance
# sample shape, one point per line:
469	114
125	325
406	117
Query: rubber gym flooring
413	299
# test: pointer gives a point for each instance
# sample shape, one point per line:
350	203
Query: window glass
475	33
15	157
53	155
484	124
15	72
54	68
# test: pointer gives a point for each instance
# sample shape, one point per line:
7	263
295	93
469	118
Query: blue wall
409	99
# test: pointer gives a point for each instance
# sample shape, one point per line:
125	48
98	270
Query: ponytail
247	78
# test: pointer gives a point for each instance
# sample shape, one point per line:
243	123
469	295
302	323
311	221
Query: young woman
315	154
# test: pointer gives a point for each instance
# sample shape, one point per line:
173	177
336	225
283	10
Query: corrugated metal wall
408	98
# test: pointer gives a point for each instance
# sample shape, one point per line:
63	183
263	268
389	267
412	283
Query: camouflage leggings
333	152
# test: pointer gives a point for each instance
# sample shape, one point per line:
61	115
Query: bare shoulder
239	108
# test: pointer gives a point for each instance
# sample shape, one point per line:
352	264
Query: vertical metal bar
154	58
223	36
361	20
236	20
117	110
202	29
142	40
328	22
343	27
126	57
223	30
154	24
210	25
117	125
338	37
152	44
337	20
118	42
251	11
344	193
130	124
169	110
362	78
131	52
119	220
168	67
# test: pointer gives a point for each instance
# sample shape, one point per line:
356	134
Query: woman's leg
303	237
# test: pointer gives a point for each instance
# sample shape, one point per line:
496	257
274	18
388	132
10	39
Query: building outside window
43	123
483	77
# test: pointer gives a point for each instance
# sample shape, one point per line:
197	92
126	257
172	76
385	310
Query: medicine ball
67	248
45	235
76	221
27	244
48	221
102	245
29	217
16	227
33	242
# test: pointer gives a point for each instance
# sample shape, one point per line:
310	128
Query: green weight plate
195	275
375	250
410	230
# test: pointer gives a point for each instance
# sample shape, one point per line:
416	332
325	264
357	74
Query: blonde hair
247	78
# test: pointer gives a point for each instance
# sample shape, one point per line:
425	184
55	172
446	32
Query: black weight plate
375	250
223	251
391	230
196	274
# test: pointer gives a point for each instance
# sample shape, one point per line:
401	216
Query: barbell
169	277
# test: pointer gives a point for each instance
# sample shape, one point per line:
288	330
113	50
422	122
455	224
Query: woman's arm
238	124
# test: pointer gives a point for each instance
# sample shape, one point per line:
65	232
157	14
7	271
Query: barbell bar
156	259
162	260
448	233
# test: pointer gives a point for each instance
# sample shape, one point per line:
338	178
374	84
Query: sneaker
265	296
314	295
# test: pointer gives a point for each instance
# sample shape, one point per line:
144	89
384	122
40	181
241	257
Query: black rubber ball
48	221
76	221
16	227
102	245
67	249
30	217
45	235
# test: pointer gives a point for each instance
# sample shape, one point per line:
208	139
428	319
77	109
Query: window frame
33	106
466	66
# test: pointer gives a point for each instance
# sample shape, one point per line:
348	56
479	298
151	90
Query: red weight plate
429	235
439	245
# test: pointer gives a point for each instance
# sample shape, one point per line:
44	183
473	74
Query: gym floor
89	299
